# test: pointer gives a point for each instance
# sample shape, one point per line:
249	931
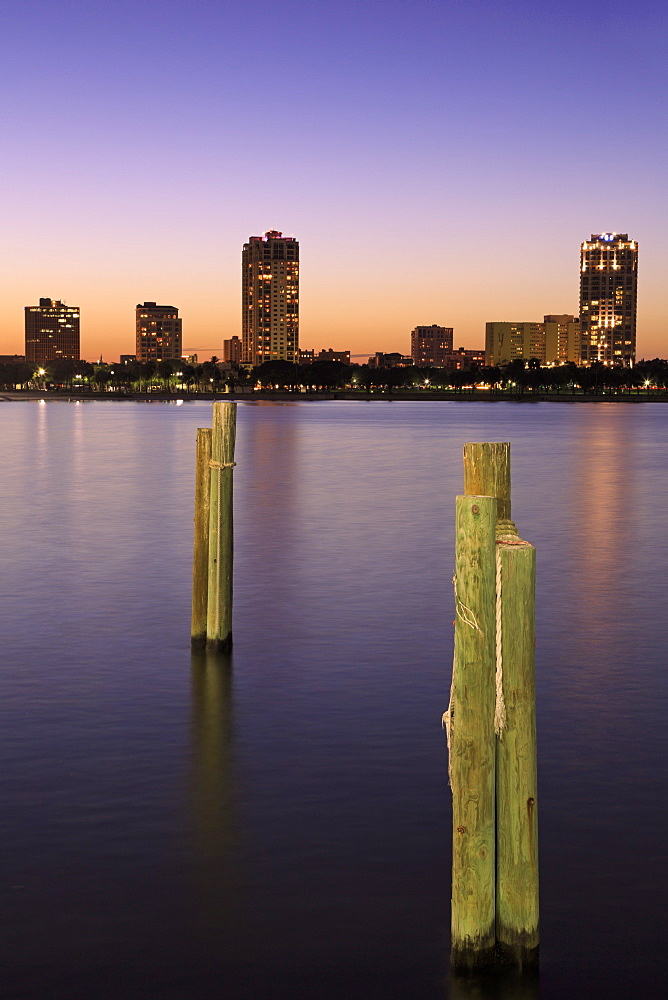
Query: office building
562	339
158	333
431	345
608	298
232	350
51	331
555	341
504	342
270	299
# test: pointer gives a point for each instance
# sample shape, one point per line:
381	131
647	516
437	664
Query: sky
439	161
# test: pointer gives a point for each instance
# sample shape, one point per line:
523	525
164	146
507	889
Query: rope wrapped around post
509	713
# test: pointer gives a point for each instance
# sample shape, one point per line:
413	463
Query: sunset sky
439	161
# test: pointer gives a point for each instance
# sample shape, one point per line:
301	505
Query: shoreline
32	395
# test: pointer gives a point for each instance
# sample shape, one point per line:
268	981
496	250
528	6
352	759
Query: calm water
175	830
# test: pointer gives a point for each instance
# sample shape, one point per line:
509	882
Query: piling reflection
497	984
212	782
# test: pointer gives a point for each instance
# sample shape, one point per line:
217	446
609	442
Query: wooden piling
471	741
219	605
516	792
487	473
201	542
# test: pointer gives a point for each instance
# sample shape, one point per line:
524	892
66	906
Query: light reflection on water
278	825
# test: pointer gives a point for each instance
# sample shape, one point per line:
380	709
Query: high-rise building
431	345
270	298
608	298
158	332
52	331
232	350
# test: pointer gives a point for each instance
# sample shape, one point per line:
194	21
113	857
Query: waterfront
174	831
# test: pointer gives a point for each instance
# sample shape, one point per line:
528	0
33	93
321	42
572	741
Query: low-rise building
555	341
391	360
331	355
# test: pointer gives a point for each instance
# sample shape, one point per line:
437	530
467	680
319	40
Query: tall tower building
158	333
431	345
270	299
608	298
52	331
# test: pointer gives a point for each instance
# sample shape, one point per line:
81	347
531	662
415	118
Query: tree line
519	377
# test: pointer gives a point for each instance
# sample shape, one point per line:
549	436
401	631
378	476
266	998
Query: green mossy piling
201	544
471	736
221	539
493	691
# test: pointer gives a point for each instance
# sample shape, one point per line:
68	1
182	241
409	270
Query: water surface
174	828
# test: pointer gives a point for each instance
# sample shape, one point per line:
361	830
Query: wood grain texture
221	541
516	790
472	739
201	537
487	473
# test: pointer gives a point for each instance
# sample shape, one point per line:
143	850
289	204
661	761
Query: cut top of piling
487	473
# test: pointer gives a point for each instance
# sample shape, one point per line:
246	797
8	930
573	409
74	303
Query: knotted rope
506	534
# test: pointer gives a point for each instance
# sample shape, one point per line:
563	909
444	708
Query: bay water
277	824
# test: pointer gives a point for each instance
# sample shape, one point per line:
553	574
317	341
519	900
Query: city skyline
605	331
433	171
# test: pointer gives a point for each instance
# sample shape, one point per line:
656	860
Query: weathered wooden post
219	605
487	471
516	794
487	474
201	545
469	723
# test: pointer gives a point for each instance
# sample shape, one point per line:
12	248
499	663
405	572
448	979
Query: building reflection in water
593	619
603	505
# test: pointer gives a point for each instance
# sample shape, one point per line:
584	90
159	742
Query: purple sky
439	162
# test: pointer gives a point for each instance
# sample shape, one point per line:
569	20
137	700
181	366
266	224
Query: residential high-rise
270	298
431	345
232	350
51	331
608	298
158	333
